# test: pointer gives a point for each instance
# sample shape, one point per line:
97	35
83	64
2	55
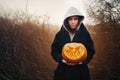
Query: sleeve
55	49
89	46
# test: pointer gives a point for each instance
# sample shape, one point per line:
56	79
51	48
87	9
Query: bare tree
104	11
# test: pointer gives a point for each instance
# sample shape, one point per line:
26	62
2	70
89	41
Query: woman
72	30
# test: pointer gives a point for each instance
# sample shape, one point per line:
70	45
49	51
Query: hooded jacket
80	35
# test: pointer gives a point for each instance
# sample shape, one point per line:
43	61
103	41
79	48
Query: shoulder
84	29
60	33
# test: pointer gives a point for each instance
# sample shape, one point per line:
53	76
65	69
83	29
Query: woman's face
73	22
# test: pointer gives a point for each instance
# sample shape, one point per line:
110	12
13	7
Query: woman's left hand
80	63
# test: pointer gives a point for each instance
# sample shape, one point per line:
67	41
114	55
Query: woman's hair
66	24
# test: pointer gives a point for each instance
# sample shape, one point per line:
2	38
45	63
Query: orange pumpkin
74	52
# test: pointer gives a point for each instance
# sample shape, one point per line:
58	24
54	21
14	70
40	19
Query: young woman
72	30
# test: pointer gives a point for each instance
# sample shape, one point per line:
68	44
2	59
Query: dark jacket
61	38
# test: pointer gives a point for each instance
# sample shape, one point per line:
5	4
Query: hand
80	63
71	64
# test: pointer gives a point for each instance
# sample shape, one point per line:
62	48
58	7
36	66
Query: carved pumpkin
74	52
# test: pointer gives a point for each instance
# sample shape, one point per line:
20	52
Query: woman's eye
70	19
75	18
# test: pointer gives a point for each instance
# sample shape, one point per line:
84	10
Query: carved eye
70	48
77	48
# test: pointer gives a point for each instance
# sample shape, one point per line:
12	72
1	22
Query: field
25	46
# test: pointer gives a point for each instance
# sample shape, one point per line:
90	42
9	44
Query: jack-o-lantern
74	52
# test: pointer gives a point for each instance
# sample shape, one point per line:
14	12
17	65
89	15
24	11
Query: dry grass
105	64
25	48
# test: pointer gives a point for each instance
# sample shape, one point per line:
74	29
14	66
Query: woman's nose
73	20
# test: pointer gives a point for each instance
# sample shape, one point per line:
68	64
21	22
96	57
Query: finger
80	62
64	61
72	64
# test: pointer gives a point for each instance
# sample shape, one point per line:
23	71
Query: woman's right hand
71	64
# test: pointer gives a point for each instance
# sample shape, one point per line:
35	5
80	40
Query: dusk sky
55	9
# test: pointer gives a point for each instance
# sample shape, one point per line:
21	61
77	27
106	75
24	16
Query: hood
72	12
